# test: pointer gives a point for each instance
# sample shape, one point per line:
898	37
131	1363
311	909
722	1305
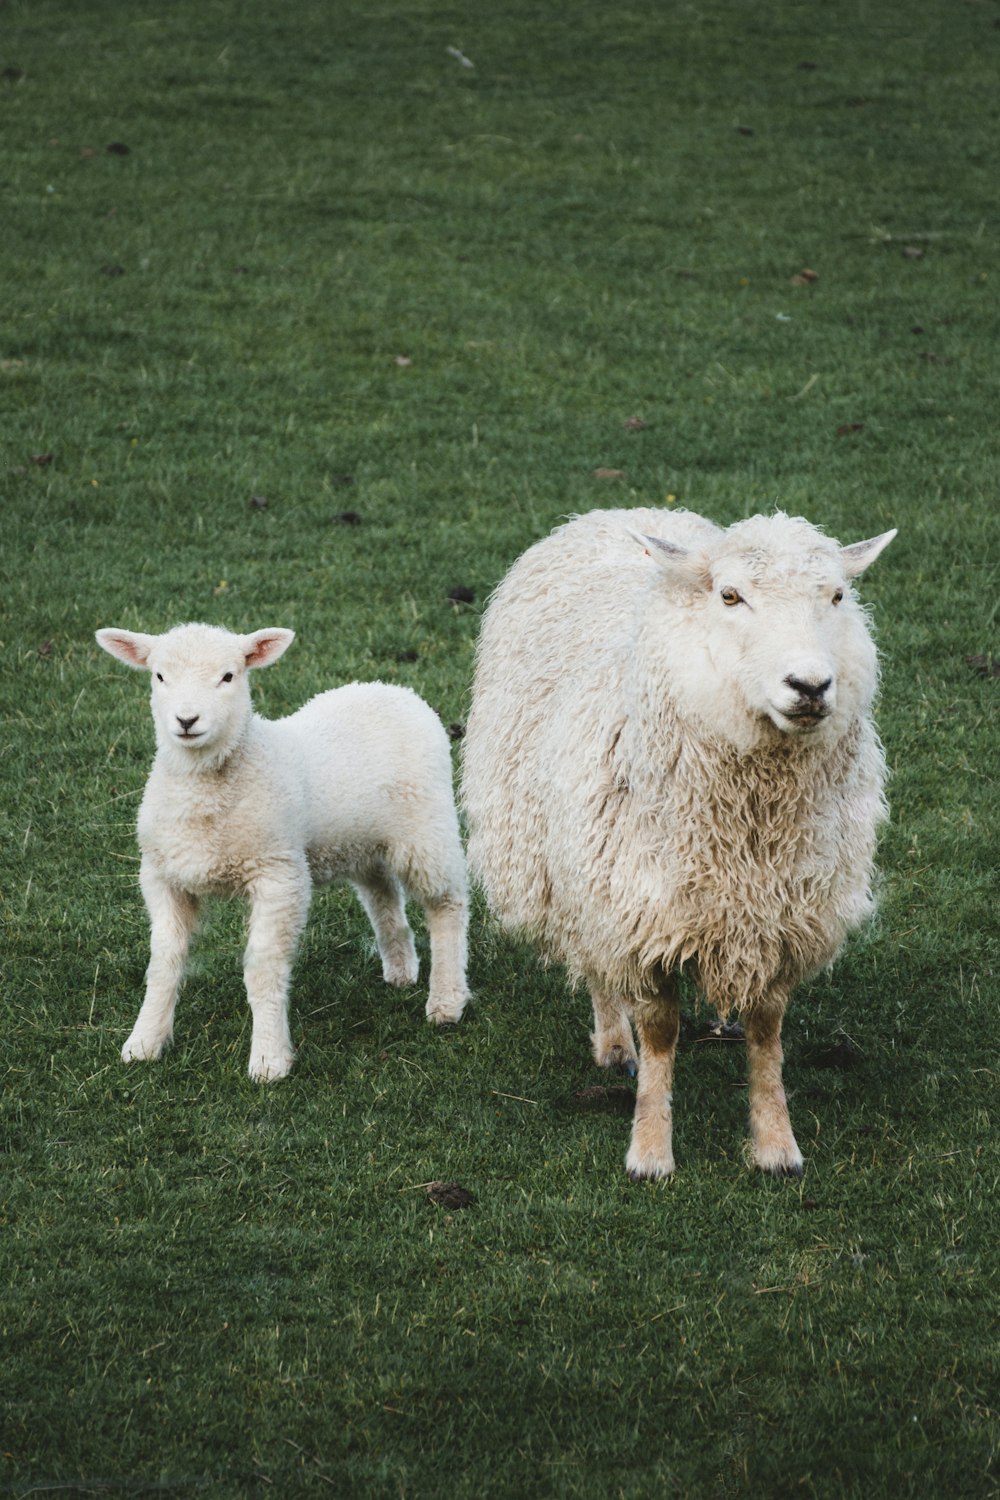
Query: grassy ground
264	266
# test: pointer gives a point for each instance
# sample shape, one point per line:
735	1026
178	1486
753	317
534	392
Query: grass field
305	321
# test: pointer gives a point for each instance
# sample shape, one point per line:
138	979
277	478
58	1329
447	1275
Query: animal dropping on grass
449	1195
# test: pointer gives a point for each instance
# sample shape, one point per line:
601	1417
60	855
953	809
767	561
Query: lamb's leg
381	895
774	1147
447	925
658	1022
611	1040
278	909
431	866
172	917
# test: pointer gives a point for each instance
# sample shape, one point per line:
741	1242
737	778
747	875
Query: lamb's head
775	638
200	693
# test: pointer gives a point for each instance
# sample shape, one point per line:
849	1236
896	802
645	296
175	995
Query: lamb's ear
858	555
265	646
129	646
671	558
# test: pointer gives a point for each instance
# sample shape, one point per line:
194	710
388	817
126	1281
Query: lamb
356	786
670	765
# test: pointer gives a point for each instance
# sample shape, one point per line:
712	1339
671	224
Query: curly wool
627	818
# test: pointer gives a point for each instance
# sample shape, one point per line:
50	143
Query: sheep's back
547	709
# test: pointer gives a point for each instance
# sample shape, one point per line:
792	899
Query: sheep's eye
838	596
159	676
227	677
731	596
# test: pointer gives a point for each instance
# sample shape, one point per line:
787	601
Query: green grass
211	1286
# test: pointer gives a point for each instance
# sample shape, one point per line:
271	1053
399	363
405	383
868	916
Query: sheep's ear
672	559
858	555
129	646
265	646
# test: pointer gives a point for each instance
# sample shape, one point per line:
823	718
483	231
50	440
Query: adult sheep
355	786
670	764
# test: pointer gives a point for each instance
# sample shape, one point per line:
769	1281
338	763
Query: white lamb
670	764
355	786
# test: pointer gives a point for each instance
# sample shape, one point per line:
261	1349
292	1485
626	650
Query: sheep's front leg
774	1146
658	1022
172	917
447	926
611	1040
279	905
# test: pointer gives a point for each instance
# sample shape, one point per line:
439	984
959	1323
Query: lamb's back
373	758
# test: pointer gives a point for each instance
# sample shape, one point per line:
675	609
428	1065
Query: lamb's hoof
270	1069
446	1011
400	963
139	1049
401	976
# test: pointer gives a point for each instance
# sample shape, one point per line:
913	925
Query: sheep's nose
812	690
187	724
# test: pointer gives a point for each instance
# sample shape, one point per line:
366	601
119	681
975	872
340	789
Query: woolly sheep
670	764
355	786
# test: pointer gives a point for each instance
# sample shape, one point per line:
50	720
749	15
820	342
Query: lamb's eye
227	677
838	596
731	596
159	676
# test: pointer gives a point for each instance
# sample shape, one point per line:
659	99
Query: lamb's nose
187	724
812	690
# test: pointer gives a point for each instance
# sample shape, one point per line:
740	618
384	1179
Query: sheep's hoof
656	1173
788	1169
621	1061
649	1167
617	1058
778	1161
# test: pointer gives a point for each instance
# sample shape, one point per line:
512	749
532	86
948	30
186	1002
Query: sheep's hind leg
658	1022
278	910
172	917
611	1040
774	1146
381	895
447	925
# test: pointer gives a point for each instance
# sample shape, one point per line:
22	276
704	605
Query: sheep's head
776	637
200	694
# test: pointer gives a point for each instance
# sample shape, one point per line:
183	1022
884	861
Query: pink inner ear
133	650
129	650
266	649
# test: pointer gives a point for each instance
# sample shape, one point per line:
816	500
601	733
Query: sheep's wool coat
630	808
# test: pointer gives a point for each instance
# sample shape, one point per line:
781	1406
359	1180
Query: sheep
356	786
670	765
